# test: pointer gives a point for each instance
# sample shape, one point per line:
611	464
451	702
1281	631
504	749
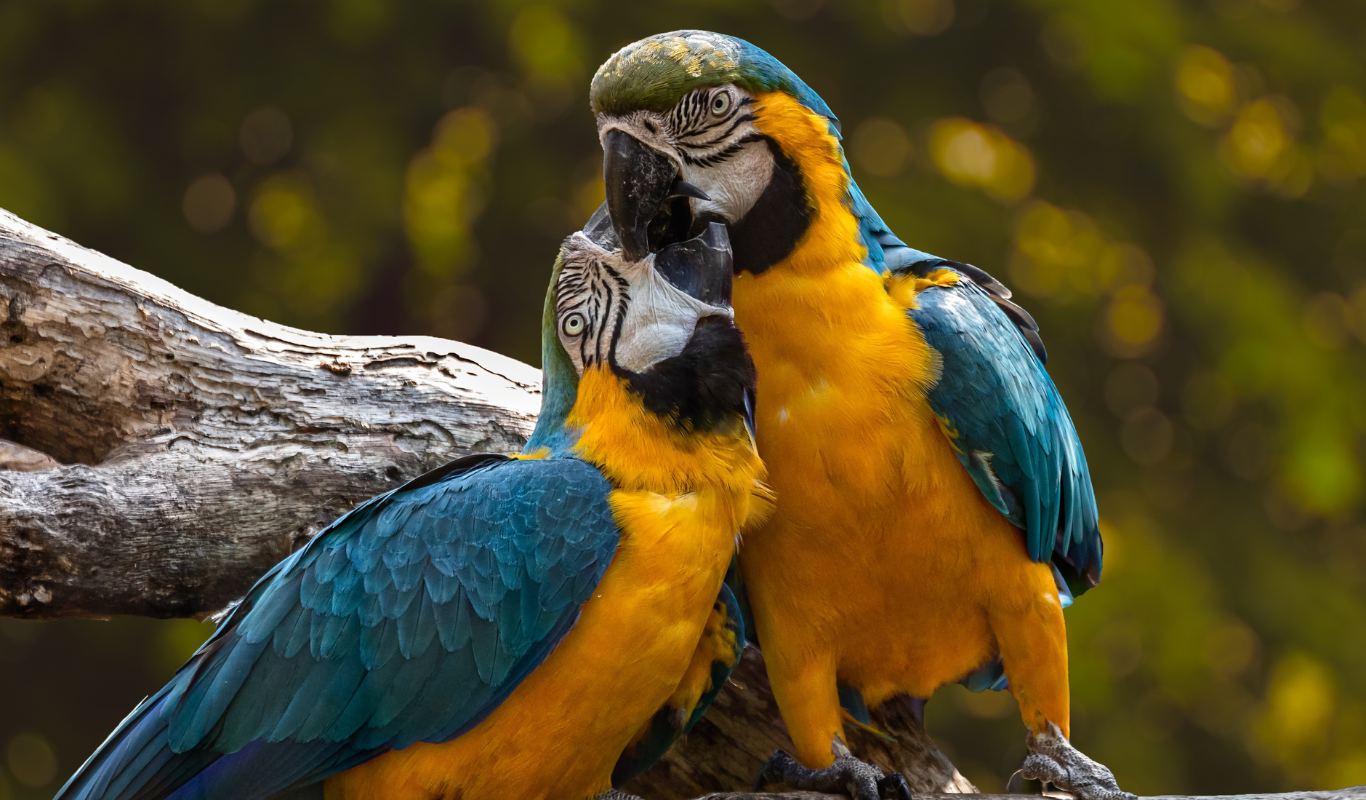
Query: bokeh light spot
283	215
971	154
209	202
543	40
266	135
1205	86
31	760
880	146
1132	322
1299	707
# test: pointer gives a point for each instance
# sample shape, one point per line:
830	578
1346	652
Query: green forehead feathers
654	73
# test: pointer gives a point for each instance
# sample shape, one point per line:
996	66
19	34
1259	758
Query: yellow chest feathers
714	478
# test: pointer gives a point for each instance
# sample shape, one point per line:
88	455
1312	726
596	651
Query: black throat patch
704	386
778	220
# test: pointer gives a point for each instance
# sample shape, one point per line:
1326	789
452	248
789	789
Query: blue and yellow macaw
534	626
935	513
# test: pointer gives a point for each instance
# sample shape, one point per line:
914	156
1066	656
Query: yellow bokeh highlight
1259	148
444	190
1256	140
1132	322
1205	87
972	154
284	215
544	41
1298	711
1060	252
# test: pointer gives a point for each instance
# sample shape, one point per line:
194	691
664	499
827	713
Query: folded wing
409	619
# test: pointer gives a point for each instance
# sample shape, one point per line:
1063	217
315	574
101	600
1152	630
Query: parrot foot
1052	759
863	781
616	794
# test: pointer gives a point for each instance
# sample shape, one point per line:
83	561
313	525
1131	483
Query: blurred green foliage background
1175	190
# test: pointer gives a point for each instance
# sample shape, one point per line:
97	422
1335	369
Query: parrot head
687	122
662	324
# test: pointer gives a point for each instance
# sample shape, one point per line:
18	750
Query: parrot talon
616	794
1052	759
861	780
895	785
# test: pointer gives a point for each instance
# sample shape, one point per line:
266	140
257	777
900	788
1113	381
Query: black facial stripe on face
598	292
692	115
620	313
722	137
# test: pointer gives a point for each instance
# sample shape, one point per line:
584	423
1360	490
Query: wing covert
408	619
1009	426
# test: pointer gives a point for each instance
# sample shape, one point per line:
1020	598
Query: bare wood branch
197	445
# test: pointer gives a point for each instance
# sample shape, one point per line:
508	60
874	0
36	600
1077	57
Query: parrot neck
829	236
638	448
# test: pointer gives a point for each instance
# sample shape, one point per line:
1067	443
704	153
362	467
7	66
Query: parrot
540	625
935	512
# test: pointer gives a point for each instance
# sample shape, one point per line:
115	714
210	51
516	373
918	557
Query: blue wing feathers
409	619
1014	435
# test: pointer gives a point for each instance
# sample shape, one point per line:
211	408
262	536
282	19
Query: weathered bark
1355	793
198	446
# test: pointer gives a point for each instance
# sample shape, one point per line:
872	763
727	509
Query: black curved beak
700	267
640	183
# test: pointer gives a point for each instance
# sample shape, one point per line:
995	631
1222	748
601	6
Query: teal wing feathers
1012	431
409	619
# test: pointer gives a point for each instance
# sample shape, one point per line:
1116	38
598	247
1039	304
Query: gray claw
1054	760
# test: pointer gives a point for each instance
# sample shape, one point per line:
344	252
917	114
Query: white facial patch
722	154
660	318
608	309
734	186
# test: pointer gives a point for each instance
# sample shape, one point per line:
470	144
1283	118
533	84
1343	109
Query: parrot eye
573	324
720	104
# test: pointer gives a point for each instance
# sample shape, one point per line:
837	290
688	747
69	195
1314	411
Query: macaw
934	512
533	626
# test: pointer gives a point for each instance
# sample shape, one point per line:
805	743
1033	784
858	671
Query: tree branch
199	446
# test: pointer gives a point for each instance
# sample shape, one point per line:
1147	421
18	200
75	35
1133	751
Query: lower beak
700	267
639	181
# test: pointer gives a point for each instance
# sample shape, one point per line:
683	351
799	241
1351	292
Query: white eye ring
720	104
573	324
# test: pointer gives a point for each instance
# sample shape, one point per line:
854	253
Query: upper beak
639	181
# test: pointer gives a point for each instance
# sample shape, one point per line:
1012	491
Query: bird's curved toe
861	780
1053	760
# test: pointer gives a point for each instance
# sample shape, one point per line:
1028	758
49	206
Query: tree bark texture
189	447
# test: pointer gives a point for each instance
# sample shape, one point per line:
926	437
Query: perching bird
935	513
501	627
